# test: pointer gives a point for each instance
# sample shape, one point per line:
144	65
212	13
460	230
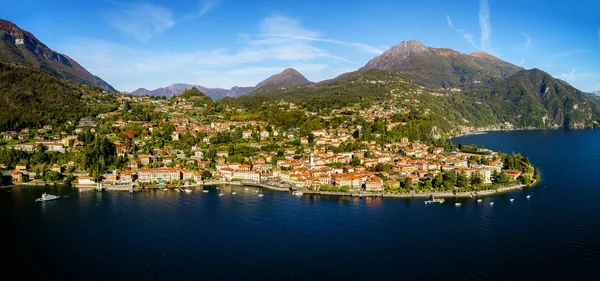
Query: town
148	141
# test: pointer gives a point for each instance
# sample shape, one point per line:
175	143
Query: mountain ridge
441	67
22	47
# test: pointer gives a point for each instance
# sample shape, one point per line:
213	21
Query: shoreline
424	195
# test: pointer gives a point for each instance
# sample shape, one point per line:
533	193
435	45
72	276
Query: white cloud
207	5
485	25
522	62
568	76
527	45
142	21
469	38
280	42
449	21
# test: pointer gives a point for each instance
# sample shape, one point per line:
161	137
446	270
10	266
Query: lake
154	235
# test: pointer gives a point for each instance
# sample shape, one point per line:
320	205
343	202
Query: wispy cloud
449	21
568	76
485	26
522	62
207	5
467	36
142	21
527	45
279	42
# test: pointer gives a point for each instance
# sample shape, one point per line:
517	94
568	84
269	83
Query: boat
528	196
457	204
234	193
491	203
512	199
221	194
47	197
164	189
177	189
298	193
131	190
188	190
260	195
479	200
205	190
434	200
246	188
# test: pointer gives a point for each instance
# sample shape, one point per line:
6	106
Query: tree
356	134
502	178
536	174
477	179
206	175
462	179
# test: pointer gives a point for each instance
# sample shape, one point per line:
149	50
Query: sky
225	43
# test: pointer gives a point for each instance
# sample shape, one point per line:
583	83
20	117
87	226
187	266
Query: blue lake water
155	235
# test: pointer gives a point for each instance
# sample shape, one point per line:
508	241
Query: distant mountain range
286	79
21	47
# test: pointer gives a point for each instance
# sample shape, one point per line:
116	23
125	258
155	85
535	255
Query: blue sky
224	43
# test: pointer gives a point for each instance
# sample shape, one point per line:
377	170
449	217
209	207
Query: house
247	175
167	160
3	166
175	136
21	167
56	168
513	174
17	176
222	153
145	159
374	184
264	134
246	134
86	180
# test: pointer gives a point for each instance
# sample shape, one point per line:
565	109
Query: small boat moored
491	203
512	199
479	200
434	200
528	196
47	197
205	190
457	204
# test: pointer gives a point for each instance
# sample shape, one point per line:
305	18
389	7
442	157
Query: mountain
441	67
533	98
235	91
33	98
178	88
193	93
287	78
141	92
21	47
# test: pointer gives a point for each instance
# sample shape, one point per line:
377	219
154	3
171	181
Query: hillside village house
86	180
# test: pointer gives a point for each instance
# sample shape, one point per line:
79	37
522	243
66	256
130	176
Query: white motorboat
479	200
512	199
457	204
221	194
234	193
47	197
434	200
491	203
187	190
205	190
260	195
528	196
298	193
